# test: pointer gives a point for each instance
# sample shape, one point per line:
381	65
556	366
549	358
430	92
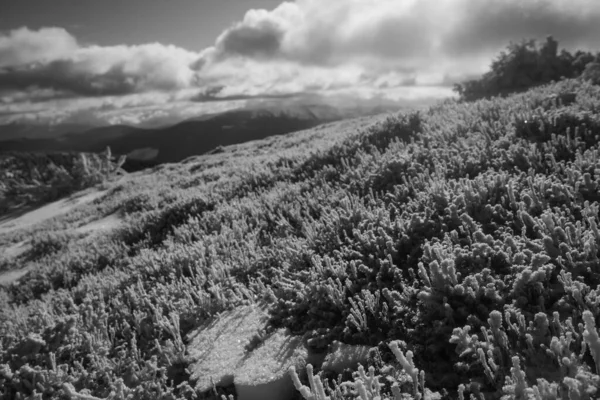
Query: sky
135	61
191	24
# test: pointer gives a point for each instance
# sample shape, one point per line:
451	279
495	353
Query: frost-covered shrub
464	232
30	178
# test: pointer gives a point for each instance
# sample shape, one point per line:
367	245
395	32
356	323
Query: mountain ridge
196	135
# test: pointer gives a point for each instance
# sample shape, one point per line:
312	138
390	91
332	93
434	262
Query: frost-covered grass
462	242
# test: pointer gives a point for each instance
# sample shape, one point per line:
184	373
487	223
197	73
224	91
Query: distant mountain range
15	131
145	147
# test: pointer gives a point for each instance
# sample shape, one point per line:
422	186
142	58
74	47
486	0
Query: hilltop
459	244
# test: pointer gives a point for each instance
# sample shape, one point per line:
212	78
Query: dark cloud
31	95
213	95
394	37
12	113
408	34
490	25
308	33
261	41
63	77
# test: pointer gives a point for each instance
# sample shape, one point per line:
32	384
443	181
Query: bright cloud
23	46
422	39
51	58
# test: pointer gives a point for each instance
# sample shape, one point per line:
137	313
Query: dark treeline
527	64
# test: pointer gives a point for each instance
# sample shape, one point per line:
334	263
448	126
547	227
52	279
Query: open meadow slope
461	244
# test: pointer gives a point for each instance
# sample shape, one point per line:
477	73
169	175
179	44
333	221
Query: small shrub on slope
29	179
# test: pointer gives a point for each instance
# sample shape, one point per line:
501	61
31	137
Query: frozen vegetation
460	244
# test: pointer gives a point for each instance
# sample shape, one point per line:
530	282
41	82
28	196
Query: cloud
52	59
258	36
145	109
490	25
303	45
23	46
394	48
407	36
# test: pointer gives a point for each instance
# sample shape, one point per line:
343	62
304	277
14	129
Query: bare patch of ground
15	253
8	277
218	348
11	253
105	224
13	222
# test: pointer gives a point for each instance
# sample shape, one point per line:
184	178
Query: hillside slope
462	243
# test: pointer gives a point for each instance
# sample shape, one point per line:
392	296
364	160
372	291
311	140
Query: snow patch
342	356
264	374
218	348
9	277
51	210
15	250
100	225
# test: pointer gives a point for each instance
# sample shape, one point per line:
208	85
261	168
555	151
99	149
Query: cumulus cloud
52	59
23	46
258	36
304	45
408	36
